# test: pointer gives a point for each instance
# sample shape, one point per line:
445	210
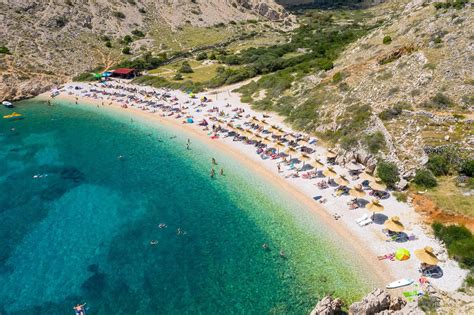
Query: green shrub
375	142
400	196
138	33
387	39
425	178
428	304
393	112
388	173
458	240
201	56
4	50
127	39
438	164
439	101
467	168
126	50
84	77
349	142
185	68
337	77
178	76
108	44
118	15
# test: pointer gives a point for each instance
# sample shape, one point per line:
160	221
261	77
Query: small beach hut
393	224
125	73
329	172
357	191
427	256
342	180
377	184
402	254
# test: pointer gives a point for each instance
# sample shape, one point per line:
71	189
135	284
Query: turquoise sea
83	193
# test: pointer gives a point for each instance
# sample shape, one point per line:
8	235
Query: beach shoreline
363	240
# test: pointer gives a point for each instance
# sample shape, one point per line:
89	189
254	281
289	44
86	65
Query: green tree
438	165
425	178
178	76
387	39
388	173
467	168
186	68
126	50
4	50
127	39
201	56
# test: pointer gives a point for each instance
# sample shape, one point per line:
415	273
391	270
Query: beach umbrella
329	172
341	180
402	254
375	206
357	191
353	166
290	151
393	224
258	138
318	163
267	141
331	154
255	119
279	146
367	176
304	158
263	121
377	184
190	120
427	256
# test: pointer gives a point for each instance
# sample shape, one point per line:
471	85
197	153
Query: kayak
399	283
12	115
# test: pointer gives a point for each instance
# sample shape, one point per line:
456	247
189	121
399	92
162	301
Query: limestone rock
327	306
375	302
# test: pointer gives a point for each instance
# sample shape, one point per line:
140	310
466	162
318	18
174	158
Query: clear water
81	230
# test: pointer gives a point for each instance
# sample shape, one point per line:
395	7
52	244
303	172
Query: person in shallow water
213	173
265	246
222	172
79	309
214	162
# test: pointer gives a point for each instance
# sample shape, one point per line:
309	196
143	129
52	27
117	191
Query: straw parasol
255	119
290	151
263	121
427	256
331	154
357	191
329	172
367	176
279	146
304	158
318	163
267	141
303	142
393	224
377	184
375	206
341	180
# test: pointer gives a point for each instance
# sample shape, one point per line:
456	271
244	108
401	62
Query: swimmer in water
162	225
153	242
282	254
120	157
265	246
214	162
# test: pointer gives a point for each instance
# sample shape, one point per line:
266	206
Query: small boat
7	104
13	116
399	283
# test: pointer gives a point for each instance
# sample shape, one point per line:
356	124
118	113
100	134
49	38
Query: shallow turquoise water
81	230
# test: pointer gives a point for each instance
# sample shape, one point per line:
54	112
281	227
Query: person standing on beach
279	168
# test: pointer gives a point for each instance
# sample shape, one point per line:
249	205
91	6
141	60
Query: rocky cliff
51	41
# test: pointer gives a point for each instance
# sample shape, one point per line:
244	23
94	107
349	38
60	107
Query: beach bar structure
125	73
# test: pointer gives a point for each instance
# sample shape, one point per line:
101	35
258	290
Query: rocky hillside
51	41
408	83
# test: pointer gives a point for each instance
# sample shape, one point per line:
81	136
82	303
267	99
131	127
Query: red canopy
124	71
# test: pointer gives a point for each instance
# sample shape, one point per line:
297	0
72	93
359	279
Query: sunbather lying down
390	256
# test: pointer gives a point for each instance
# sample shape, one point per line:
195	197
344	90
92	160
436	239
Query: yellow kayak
12	115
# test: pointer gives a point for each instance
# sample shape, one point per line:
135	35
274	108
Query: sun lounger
362	218
365	222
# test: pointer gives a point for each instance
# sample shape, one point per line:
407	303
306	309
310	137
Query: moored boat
7	104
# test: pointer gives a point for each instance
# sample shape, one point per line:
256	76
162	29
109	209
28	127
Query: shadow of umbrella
379	218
